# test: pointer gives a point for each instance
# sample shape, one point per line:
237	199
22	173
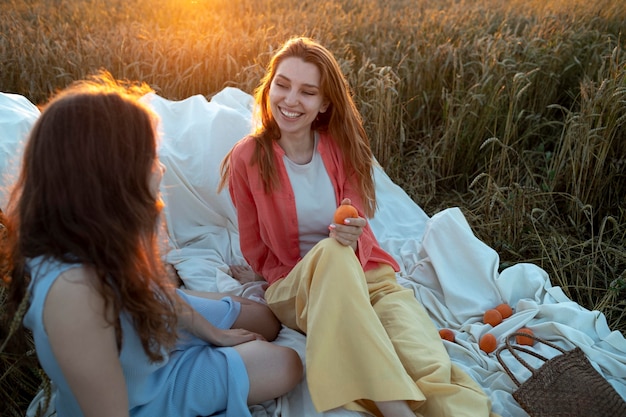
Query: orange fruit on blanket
523	340
447	334
488	343
505	310
493	317
343	212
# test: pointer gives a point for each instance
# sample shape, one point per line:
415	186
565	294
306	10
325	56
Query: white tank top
315	199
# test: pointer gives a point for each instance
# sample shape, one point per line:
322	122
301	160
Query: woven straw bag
566	385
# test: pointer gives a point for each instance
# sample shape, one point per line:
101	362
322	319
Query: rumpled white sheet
17	115
453	274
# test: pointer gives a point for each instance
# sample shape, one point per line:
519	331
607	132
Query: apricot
505	310
343	212
493	317
447	334
488	343
523	340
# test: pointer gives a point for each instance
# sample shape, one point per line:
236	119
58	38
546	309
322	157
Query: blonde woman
370	345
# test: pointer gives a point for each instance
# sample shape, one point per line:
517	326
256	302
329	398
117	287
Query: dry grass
514	111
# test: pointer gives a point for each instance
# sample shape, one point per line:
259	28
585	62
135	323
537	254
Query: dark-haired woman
110	330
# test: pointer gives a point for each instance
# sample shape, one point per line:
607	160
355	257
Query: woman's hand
244	274
233	337
348	233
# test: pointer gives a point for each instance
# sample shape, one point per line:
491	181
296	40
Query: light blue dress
195	379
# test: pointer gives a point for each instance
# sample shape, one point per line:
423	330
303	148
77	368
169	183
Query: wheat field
514	111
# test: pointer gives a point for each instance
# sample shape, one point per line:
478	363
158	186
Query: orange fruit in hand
505	310
343	212
523	340
488	343
493	317
447	334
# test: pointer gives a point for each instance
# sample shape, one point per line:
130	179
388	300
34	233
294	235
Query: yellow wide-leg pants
369	339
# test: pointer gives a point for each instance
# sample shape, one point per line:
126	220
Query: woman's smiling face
295	96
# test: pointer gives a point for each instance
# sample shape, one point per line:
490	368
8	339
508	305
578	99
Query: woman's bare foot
244	274
395	409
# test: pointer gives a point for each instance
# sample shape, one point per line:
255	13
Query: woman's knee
332	247
273	370
258	317
336	260
292	368
330	251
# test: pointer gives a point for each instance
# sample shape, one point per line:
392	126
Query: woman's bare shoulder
74	296
80	278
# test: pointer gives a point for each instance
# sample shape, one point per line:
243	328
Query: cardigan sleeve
366	240
252	239
369	252
239	188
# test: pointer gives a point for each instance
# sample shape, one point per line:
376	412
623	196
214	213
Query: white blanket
453	274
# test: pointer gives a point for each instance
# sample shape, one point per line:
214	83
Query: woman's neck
299	149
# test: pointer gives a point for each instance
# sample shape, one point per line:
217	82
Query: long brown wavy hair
342	120
83	196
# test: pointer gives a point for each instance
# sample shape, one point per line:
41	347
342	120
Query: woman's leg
273	370
254	316
349	356
449	391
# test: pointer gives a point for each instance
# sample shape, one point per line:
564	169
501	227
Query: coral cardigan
268	223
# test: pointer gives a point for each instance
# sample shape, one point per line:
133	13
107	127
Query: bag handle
514	351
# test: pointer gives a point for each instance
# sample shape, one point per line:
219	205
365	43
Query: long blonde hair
342	120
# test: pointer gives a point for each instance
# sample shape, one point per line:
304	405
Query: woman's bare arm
254	316
190	320
84	344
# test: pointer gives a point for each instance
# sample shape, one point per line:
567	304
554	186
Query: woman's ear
324	106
